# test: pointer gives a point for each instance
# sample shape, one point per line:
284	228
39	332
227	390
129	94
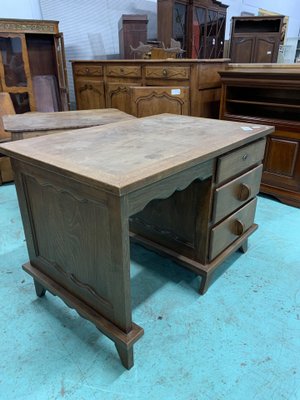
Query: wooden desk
186	184
24	126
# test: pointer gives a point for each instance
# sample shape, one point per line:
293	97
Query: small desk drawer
239	160
124	71
88	70
176	73
231	229
234	194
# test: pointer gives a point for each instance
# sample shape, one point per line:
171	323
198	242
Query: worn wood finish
269	93
41	56
118	76
6	108
76	209
24	126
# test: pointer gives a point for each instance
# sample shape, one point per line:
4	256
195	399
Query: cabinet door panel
146	101
282	163
89	94
242	49
265	50
118	96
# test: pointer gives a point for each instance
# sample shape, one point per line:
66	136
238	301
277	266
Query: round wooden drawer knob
238	228
244	192
165	72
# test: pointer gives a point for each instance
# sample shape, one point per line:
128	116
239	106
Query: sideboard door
90	94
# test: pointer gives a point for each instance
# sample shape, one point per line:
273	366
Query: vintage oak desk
23	126
185	186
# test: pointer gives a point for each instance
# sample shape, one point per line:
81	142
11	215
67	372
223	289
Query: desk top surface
125	156
38	121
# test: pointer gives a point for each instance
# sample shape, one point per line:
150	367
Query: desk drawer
234	194
231	229
176	73
88	70
239	160
124	71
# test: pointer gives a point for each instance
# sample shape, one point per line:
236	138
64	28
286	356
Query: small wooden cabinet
269	94
32	65
132	31
146	87
199	25
255	39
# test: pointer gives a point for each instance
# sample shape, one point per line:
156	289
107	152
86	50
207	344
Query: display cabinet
199	25
269	94
32	65
140	87
255	39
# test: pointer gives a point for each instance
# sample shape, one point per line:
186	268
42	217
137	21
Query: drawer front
124	71
239	160
88	70
234	194
176	73
231	229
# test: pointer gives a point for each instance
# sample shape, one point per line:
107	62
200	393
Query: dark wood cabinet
147	87
132	31
199	25
32	65
255	39
269	94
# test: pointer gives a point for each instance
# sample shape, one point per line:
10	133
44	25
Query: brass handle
87	70
244	192
122	69
238	227
165	72
245	156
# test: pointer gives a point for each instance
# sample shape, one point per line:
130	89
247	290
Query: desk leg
39	289
244	246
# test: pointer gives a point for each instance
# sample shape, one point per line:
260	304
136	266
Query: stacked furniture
32	65
143	87
269	94
255	39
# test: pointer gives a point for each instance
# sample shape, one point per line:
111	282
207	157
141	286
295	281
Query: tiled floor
240	341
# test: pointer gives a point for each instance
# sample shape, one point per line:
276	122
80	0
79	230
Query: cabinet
269	94
32	65
199	25
132	31
143	87
255	39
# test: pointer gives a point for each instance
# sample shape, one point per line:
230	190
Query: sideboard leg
39	289
125	354
205	282
244	246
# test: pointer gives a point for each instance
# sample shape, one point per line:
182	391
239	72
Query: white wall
28	9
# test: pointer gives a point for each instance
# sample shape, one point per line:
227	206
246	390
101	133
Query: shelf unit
270	95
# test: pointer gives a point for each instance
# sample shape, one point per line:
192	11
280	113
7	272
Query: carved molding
31	27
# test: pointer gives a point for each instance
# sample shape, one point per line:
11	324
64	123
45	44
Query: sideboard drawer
231	229
234	194
239	160
176	73
124	71
88	70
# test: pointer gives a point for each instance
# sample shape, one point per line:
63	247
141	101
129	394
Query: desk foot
125	354
244	247
39	289
205	282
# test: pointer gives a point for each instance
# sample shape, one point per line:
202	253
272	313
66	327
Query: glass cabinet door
14	71
61	72
180	23
199	33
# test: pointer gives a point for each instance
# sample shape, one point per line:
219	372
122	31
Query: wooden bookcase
32	65
270	95
255	39
199	25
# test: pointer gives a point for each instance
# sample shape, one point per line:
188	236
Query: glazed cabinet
32	65
269	94
199	25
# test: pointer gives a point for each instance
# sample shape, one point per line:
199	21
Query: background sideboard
181	86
